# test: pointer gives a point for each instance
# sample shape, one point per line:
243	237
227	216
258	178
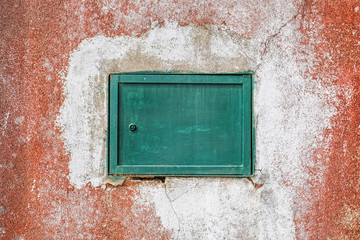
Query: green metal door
167	124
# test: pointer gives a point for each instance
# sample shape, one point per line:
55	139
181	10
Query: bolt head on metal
132	127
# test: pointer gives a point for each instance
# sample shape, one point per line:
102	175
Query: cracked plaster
204	208
303	54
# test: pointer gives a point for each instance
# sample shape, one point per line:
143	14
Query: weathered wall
56	56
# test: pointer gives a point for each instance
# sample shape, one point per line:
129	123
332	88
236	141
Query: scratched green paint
193	124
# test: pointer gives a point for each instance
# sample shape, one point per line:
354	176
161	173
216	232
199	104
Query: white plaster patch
4	124
83	123
221	209
224	47
169	44
83	115
19	120
164	210
291	112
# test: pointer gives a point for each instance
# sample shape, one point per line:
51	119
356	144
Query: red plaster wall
336	215
32	153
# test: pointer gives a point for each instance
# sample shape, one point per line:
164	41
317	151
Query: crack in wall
172	207
270	38
197	184
256	185
163	49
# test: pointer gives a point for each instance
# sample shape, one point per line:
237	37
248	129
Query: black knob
132	127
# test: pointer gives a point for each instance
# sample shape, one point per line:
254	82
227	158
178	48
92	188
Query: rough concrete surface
55	60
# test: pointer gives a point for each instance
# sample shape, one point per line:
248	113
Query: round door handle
132	127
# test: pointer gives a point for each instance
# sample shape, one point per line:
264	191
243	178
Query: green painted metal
181	124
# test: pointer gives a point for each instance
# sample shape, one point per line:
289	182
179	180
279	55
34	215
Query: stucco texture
55	60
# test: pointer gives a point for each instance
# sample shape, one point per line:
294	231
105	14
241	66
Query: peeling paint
55	60
336	60
84	112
